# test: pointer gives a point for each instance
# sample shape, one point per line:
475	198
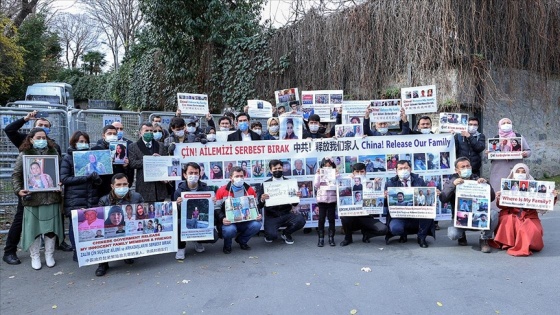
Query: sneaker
288	239
267	240
462	241
484	247
198	247
180	254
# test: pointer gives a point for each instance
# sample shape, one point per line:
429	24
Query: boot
49	251
484	247
34	253
321	241
331	237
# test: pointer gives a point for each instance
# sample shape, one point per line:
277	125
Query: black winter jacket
79	191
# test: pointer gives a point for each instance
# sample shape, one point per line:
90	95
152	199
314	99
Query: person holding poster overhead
400	226
41	215
313	125
191	173
381	128
280	215
119	195
243	132
241	231
519	229
463	171
369	225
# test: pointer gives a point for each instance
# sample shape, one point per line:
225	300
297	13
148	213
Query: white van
52	92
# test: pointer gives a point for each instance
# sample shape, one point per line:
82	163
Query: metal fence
92	122
101	104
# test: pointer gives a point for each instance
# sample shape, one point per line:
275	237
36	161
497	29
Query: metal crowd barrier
92	121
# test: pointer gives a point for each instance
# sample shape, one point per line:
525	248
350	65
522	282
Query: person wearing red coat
519	229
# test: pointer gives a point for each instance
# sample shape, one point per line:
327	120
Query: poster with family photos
453	122
41	173
358	196
89	162
419	99
197	216
472	205
259	109
327	103
410	202
241	209
528	194
505	148
119	152
287	101
348	130
385	110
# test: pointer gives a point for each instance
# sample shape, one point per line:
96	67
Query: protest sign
41	173
125	231
221	136
291	126
456	122
419	99
472	205
241	209
410	202
385	110
505	148
327	104
281	192
119	151
287	101
88	162
528	194
357	196
195	104
348	130
259	109
161	168
353	111
197	216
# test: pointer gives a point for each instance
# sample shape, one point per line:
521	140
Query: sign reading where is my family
472	205
196	104
532	194
419	99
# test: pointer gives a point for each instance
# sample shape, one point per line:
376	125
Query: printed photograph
41	173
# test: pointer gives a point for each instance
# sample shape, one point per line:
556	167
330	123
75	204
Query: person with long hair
326	201
37	179
290	130
272	129
41	209
217	172
120	153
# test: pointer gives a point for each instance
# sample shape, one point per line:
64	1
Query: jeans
368	225
401	226
291	221
326	210
245	229
14	234
455	233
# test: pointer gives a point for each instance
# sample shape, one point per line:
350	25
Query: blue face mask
466	173
120	134
82	146
157	135
243	126
121	191
47	130
39	144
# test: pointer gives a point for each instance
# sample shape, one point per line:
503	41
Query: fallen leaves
439	304
366	269
354	312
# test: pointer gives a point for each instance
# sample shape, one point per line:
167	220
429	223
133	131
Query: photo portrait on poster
385	110
287	101
353	111
41	173
326	103
505	148
259	109
281	192
419	99
197	216
472	205
348	130
357	196
453	122
119	151
161	168
89	162
529	194
121	231
241	209
409	202
291	127
193	104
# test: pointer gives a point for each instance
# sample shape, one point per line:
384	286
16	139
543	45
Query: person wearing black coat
243	131
470	144
80	192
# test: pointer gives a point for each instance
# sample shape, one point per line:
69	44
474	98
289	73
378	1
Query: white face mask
111	138
257	131
520	176
179	133
224	129
273	129
506	127
238	182
192	179
426	131
313	128
191	129
403	174
211	137
473	129
383	130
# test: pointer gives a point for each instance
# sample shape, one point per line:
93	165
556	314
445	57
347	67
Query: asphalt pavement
276	278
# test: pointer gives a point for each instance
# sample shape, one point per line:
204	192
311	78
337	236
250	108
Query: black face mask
277	174
322	129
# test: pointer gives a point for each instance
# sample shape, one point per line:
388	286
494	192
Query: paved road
299	279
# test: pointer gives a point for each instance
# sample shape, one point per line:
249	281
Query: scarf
503	134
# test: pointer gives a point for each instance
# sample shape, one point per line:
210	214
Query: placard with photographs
197	216
529	194
124	231
505	148
241	209
161	168
221	136
281	192
472	205
419	99
119	151
327	178
259	109
287	101
353	111
385	110
193	104
357	196
453	122
410	202
327	104
89	162
41	173
348	130
291	126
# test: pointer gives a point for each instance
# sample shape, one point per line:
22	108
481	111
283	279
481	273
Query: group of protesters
39	218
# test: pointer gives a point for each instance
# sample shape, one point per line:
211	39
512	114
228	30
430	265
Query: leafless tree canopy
367	48
78	34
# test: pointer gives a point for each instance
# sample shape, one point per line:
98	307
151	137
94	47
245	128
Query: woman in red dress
520	230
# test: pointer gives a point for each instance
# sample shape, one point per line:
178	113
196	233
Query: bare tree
291	11
120	21
78	34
